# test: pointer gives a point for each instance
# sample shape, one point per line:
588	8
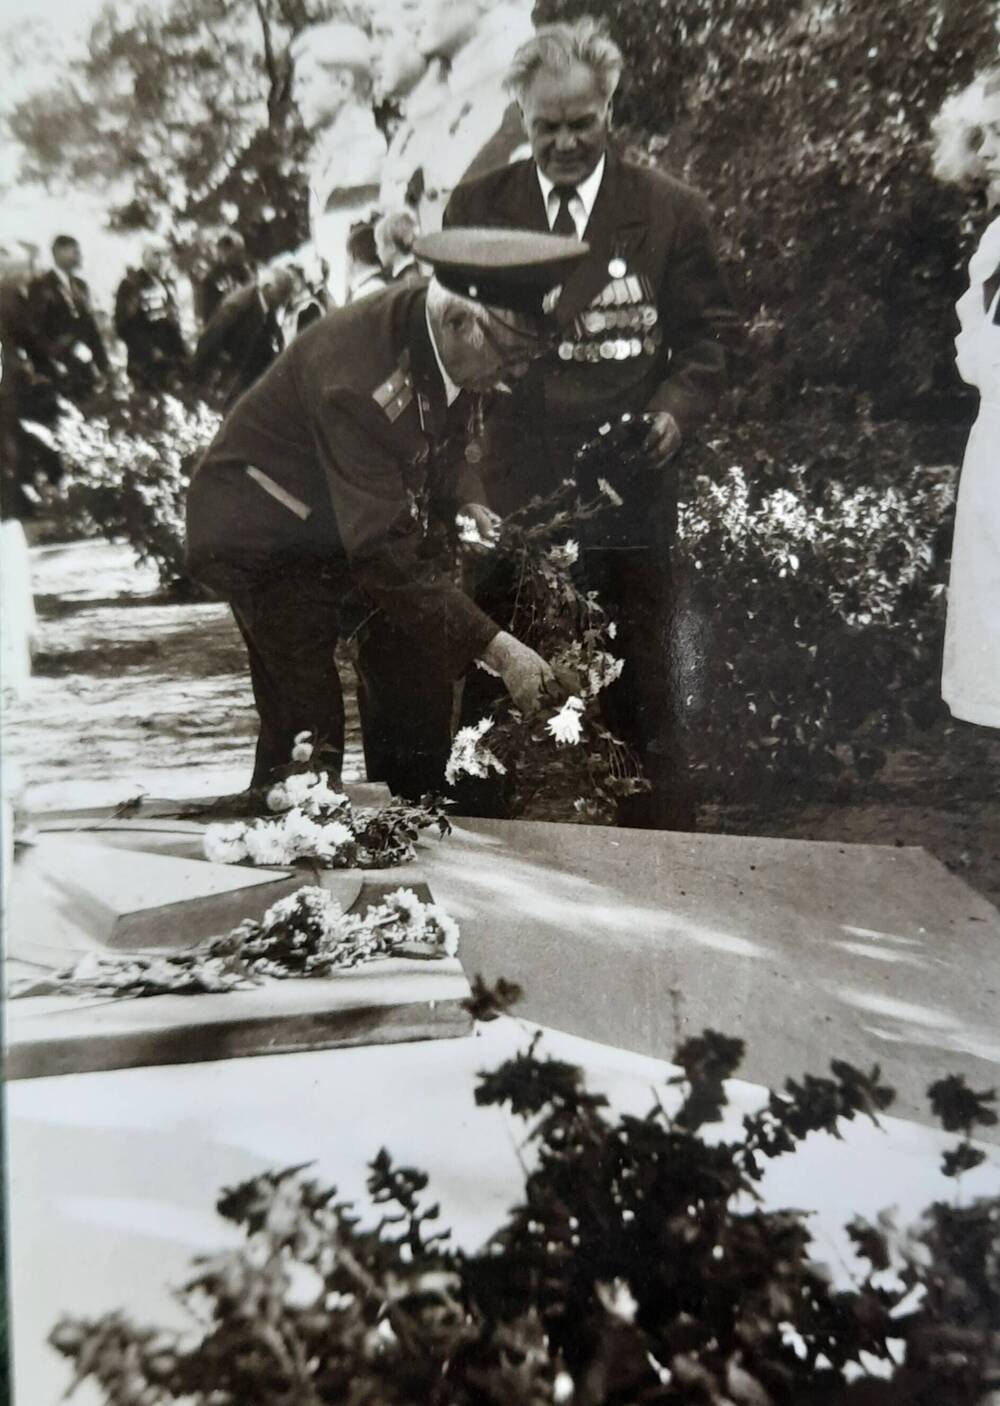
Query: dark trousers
291	624
634	587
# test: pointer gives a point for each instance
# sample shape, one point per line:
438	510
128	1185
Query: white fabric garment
971	680
580	204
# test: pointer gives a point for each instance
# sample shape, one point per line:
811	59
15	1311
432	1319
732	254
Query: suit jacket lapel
521	204
617	227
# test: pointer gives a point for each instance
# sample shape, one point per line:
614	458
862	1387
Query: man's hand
477	528
525	674
663	440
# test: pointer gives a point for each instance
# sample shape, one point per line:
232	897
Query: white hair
956	133
395	233
558	47
441	301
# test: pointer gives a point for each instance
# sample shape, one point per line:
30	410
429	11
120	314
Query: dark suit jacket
348	424
240	342
652	255
219	282
147	320
61	322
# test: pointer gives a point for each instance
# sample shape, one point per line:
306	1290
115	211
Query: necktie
564	222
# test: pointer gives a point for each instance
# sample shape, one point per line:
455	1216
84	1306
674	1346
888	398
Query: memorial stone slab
808	951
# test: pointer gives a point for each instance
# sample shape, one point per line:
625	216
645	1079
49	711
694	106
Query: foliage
812	602
306	935
807	127
185	114
640	1268
127	467
563	750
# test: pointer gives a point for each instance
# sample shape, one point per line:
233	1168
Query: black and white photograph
500	683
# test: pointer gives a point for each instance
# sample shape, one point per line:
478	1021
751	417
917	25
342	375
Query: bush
127	467
812	603
640	1268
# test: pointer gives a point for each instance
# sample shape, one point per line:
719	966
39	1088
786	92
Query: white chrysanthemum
266	843
602	672
408	905
225	844
566	726
278	797
566	555
469	755
468	531
447	928
332	839
299	787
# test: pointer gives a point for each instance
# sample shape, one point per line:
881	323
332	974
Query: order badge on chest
621	322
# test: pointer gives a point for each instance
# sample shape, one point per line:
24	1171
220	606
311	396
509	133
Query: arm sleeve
126	307
213	338
382	539
696	307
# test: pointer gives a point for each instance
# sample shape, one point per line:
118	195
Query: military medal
473	452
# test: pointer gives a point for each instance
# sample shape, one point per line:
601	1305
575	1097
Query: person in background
243	336
231	270
64	323
365	273
645	322
395	233
307	302
27	388
341	471
971	674
148	322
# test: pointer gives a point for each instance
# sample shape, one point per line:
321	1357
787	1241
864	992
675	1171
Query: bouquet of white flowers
304	935
562	757
315	824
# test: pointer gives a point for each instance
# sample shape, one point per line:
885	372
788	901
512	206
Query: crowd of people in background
212	338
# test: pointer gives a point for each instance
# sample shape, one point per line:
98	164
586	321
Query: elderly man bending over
329	476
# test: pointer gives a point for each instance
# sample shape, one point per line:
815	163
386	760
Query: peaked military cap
505	268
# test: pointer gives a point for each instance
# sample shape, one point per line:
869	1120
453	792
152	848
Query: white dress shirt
451	391
581	203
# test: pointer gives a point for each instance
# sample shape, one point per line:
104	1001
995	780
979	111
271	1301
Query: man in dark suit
230	270
64	323
148	322
342	469
27	389
243	337
644	321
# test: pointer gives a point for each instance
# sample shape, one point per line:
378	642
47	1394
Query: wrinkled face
154	261
321	89
567	119
989	146
497	351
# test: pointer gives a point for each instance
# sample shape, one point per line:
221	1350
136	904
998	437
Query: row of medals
621	307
